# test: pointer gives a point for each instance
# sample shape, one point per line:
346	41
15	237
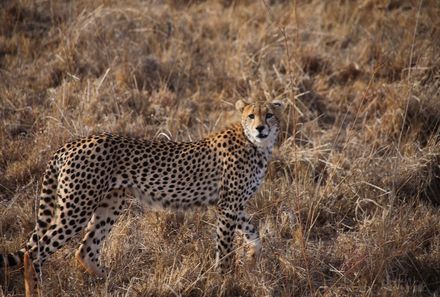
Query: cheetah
86	181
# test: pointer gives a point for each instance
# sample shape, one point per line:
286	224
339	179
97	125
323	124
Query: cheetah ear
278	105
239	105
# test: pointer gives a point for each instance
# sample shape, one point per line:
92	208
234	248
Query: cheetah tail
12	259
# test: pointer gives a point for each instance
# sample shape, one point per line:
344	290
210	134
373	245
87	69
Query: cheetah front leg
250	233
226	225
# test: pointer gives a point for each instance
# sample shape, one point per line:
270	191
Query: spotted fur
86	181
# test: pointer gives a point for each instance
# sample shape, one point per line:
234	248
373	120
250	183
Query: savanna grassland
351	203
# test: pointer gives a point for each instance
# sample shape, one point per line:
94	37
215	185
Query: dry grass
350	205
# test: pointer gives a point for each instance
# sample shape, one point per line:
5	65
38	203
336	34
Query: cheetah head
261	121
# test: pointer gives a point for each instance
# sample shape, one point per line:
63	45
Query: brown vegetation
350	206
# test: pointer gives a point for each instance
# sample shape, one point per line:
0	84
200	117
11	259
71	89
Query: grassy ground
350	206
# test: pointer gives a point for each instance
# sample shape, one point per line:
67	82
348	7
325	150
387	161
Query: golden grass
350	204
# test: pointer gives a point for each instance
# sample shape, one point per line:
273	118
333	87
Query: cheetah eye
251	116
269	115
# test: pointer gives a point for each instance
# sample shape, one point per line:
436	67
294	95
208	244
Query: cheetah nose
260	128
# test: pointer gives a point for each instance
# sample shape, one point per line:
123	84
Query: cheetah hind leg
30	278
98	228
